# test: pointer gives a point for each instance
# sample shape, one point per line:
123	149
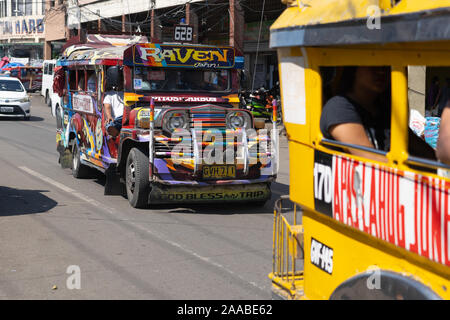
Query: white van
47	84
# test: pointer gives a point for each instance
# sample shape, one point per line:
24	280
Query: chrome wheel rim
75	159
131	177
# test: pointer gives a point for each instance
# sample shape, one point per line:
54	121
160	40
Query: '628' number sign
183	33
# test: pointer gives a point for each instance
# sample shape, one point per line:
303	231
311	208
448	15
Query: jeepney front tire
136	178
79	170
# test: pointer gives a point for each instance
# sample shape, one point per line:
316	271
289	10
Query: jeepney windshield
181	80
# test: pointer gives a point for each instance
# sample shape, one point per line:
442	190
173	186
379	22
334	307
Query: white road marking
117	215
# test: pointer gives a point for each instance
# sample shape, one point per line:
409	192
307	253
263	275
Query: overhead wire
257	47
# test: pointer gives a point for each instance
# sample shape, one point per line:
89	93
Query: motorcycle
261	102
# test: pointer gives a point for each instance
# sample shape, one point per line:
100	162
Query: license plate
219	171
6	109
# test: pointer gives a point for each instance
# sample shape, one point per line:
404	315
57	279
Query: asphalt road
61	238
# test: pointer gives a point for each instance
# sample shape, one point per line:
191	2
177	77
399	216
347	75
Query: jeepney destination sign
157	55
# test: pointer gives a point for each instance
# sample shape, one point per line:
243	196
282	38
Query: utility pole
73	18
236	26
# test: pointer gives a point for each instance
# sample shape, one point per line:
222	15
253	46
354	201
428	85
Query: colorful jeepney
183	138
30	76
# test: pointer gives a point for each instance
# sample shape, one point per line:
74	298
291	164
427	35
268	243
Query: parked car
14	99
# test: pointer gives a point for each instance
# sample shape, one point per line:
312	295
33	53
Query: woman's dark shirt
341	109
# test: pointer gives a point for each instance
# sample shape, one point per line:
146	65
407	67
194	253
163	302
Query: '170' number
322	183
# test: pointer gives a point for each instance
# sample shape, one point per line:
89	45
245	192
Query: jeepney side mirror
113	76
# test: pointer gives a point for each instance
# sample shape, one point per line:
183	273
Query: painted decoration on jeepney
403	208
159	55
98	135
115	40
83	103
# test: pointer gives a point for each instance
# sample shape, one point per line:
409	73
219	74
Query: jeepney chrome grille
212	118
165	149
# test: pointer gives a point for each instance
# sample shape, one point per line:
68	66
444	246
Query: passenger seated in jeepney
81	84
443	144
92	82
360	114
113	104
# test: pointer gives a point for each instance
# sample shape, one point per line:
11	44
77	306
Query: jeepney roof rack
314	24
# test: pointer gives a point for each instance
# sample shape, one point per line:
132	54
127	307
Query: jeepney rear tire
79	170
136	178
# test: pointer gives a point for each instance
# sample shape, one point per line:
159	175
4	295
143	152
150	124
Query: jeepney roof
338	22
99	49
87	55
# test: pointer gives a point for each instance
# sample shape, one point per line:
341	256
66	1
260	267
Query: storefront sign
23	61
22	27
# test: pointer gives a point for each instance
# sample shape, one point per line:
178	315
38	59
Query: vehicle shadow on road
14	202
222	208
32	119
36	119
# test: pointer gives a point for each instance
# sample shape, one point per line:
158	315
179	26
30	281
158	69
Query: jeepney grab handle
150	147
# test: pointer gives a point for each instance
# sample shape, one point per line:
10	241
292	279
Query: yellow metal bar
274	238
282	271
286	253
293	260
278	246
399	118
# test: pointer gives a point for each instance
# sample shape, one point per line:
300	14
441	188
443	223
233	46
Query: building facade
22	28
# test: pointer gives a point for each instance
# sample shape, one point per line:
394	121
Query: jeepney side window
356	113
428	96
82	80
91	81
73	80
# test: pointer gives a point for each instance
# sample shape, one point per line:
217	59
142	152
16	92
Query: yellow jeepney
362	228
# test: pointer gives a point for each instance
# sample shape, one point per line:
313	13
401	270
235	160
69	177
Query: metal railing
287	250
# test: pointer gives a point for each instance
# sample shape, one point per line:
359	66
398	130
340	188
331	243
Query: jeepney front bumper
255	192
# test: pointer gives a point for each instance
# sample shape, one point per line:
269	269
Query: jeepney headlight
174	120
238	120
143	119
